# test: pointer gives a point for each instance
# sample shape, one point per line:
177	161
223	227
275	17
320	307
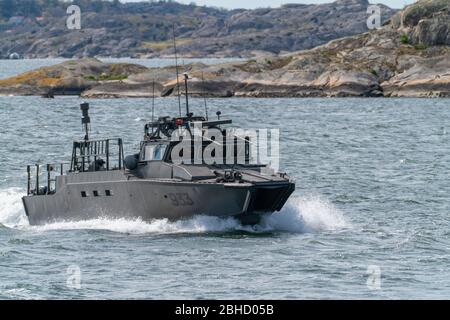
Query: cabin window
108	193
83	194
95	193
154	152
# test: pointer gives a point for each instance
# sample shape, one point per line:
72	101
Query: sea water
369	217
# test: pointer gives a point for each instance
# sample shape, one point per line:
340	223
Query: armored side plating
102	183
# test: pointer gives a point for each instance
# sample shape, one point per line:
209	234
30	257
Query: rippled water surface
372	192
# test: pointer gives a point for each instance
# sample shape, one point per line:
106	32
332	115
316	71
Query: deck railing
87	154
34	172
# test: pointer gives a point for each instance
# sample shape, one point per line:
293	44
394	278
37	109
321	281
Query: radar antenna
86	120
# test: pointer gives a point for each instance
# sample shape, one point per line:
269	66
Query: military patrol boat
102	183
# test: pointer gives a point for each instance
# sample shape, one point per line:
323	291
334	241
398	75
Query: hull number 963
180	199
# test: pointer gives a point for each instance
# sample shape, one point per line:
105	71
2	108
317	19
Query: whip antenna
176	67
204	96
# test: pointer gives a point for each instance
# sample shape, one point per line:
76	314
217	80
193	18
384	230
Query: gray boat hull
113	195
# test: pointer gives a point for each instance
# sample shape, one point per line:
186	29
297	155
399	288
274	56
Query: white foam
309	214
300	215
12	213
197	224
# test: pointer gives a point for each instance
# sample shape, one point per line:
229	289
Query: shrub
404	39
106	77
420	46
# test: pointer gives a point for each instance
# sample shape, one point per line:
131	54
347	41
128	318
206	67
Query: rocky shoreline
408	57
144	29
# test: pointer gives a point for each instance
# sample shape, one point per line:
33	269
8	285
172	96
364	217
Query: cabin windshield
231	153
153	152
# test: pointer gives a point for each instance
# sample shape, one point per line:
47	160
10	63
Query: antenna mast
153	104
176	67
186	78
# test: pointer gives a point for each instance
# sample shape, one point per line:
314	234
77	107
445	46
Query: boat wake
300	215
